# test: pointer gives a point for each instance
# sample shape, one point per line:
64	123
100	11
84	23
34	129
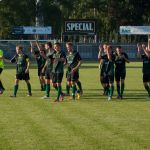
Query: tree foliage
109	14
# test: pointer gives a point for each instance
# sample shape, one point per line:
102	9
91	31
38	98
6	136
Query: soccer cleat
29	94
66	94
118	97
80	92
61	98
70	98
78	96
121	97
1	91
12	96
56	100
45	97
109	98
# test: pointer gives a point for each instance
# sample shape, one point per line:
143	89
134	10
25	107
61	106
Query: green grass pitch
93	123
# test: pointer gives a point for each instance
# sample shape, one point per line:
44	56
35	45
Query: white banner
129	30
32	30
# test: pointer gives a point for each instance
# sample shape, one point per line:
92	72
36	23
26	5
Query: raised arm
146	51
31	45
149	42
139	49
38	45
100	51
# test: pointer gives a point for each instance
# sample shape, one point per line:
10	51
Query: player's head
36	53
19	49
48	45
42	49
118	50
109	48
57	46
69	46
105	46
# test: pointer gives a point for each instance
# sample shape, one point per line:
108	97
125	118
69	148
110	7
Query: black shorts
1	69
40	72
146	77
57	77
48	75
109	79
105	79
120	75
23	76
72	76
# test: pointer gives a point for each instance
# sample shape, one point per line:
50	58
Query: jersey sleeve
126	56
78	56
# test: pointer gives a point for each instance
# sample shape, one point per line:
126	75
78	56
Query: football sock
15	89
73	90
122	88
67	89
47	89
111	91
29	88
59	92
118	89
79	85
56	88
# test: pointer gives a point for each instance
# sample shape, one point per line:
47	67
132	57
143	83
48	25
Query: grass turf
92	123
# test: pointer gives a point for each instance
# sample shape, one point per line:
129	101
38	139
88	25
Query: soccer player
145	55
102	57
59	60
74	61
22	70
109	71
48	68
1	69
40	55
120	70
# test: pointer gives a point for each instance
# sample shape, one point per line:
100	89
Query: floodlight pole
39	15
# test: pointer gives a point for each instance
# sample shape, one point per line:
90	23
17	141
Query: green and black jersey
21	61
40	61
120	62
146	64
49	60
104	63
109	65
73	60
58	66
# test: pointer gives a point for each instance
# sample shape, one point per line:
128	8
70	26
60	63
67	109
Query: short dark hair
49	44
69	43
20	47
119	47
57	43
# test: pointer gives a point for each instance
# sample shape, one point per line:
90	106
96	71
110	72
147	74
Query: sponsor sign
129	30
32	30
80	26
